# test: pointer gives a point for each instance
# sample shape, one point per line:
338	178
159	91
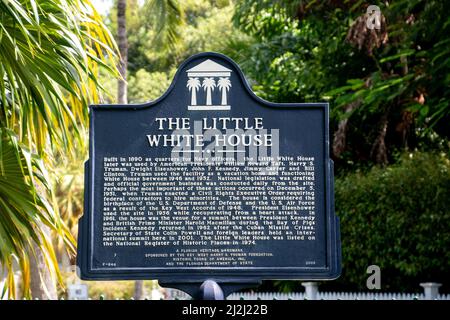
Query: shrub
396	217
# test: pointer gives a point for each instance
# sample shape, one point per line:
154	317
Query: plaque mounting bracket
210	289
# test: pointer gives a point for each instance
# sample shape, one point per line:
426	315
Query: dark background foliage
388	90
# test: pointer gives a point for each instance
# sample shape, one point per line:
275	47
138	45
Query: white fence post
431	290
311	290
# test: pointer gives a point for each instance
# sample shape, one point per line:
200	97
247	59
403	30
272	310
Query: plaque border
220	274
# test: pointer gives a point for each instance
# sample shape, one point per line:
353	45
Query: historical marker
209	182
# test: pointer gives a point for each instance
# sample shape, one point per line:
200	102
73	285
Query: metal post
431	290
210	290
311	290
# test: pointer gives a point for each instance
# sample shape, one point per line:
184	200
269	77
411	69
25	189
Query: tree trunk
41	283
138	290
340	136
379	149
123	48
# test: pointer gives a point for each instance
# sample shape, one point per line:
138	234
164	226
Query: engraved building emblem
209	76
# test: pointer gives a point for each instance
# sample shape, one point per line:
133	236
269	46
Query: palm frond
23	210
167	18
50	55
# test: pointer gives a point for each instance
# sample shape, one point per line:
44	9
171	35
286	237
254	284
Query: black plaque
209	182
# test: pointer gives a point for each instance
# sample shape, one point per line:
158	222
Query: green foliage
153	32
211	30
145	86
25	212
388	89
117	290
415	62
152	57
168	19
292	59
398	218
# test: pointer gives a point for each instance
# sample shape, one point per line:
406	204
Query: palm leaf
167	18
22	211
50	55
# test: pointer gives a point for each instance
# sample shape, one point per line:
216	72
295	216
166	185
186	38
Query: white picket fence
333	296
430	292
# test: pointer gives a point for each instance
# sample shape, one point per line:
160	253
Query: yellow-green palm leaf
50	54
